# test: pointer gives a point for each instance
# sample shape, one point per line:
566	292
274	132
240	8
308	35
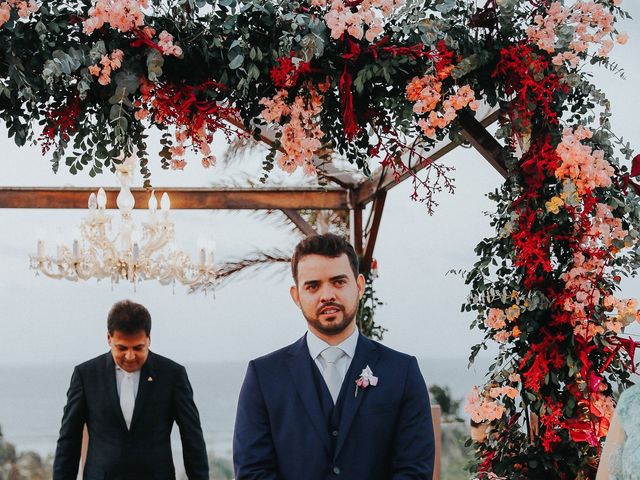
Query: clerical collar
317	345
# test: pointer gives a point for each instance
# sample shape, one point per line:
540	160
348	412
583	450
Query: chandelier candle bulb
165	205
153	206
136	251
212	249
76	248
102	199
60	250
165	202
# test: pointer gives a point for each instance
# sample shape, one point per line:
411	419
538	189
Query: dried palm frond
241	147
235	268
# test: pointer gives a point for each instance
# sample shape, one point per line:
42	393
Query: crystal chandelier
131	252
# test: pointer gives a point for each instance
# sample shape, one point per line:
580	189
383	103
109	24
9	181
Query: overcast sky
52	321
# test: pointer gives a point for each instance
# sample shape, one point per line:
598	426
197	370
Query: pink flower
27	8
178	164
502	336
167	46
365	379
150	32
495	319
177	151
367	15
505	390
123	15
5	13
208	161
301	133
482	409
355	31
109	63
141	114
94	70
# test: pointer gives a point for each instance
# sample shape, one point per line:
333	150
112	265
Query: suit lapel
366	353
145	387
302	376
112	389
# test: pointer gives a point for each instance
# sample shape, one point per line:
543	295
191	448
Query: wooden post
355	209
436	418
372	234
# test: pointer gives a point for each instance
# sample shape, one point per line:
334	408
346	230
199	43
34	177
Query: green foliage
367	309
450	408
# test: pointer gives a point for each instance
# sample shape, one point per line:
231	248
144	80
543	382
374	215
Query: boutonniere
365	379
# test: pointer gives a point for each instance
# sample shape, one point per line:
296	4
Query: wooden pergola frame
343	194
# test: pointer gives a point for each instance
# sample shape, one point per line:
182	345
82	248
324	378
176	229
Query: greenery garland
371	80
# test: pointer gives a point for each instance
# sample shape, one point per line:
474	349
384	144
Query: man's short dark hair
327	245
129	317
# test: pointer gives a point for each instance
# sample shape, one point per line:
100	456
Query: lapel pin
150	379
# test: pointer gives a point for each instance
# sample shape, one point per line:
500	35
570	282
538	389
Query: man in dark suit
334	404
129	399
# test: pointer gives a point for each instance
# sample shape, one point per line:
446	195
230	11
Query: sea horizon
33	396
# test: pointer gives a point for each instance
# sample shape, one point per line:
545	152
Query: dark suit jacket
385	432
144	452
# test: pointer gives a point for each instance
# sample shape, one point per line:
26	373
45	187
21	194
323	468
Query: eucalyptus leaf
237	62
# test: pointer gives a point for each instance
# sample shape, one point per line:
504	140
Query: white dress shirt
348	346
120	376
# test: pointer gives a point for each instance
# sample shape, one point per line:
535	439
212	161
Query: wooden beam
385	180
372	235
299	222
183	198
476	134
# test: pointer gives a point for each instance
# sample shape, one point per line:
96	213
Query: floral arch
380	82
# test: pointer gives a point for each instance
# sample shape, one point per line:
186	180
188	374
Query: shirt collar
125	373
317	345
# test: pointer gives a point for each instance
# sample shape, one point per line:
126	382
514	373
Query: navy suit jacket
143	452
385	432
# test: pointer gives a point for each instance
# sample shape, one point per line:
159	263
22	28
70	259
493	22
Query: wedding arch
381	82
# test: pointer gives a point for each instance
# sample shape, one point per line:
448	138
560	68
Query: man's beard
334	327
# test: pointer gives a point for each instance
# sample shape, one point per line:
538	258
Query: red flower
635	166
286	73
528	76
61	122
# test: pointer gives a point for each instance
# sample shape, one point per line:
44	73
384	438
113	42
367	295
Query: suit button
334	433
336	470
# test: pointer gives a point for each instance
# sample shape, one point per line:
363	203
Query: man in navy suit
333	405
129	399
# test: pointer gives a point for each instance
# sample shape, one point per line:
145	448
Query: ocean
32	398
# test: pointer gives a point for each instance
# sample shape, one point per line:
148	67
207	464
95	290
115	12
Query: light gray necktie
127	398
331	374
